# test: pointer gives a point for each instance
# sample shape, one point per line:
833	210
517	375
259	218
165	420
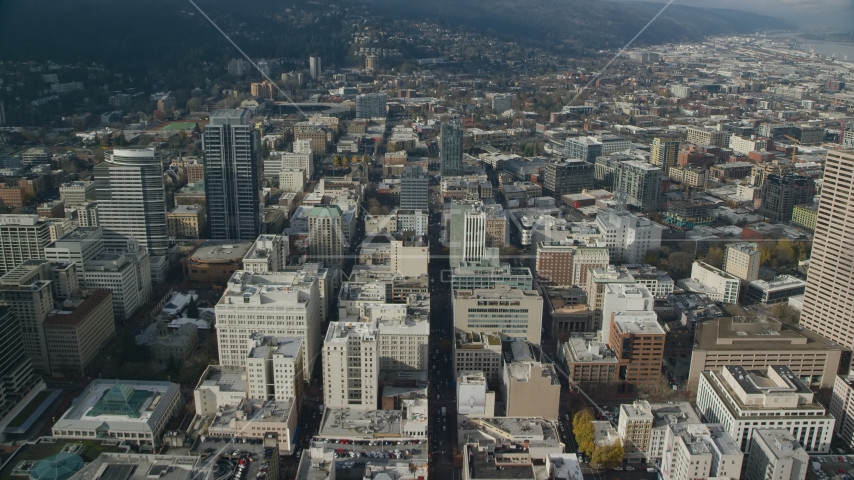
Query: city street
442	428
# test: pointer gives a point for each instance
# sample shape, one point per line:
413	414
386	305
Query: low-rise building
215	261
219	386
777	290
755	342
587	359
529	387
170	347
566	312
187	222
135	412
714	282
805	215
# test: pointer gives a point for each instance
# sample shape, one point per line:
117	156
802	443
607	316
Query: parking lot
238	458
379	449
831	467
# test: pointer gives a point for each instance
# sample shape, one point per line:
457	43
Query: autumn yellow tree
607	456
582	428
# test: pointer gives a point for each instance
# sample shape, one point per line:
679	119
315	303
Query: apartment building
742	260
628	236
564	264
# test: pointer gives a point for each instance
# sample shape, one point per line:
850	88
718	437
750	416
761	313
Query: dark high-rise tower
230	144
451	148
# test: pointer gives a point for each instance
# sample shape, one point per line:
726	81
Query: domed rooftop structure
57	467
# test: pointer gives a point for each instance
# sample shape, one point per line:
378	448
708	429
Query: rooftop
224	378
757	333
500	467
218	251
79	314
347	423
187	210
135	405
638	323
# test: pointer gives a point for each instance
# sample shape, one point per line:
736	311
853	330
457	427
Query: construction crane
794	150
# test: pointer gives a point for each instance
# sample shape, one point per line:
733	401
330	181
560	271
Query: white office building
627	236
719	285
274	368
744	401
468	233
515	313
278	161
274	304
351	366
116	272
22	237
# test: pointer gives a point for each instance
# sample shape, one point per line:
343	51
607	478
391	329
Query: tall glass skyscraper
451	148
231	144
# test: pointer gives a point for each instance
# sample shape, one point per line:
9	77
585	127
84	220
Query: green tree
679	264
715	257
607	456
132	351
192	308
